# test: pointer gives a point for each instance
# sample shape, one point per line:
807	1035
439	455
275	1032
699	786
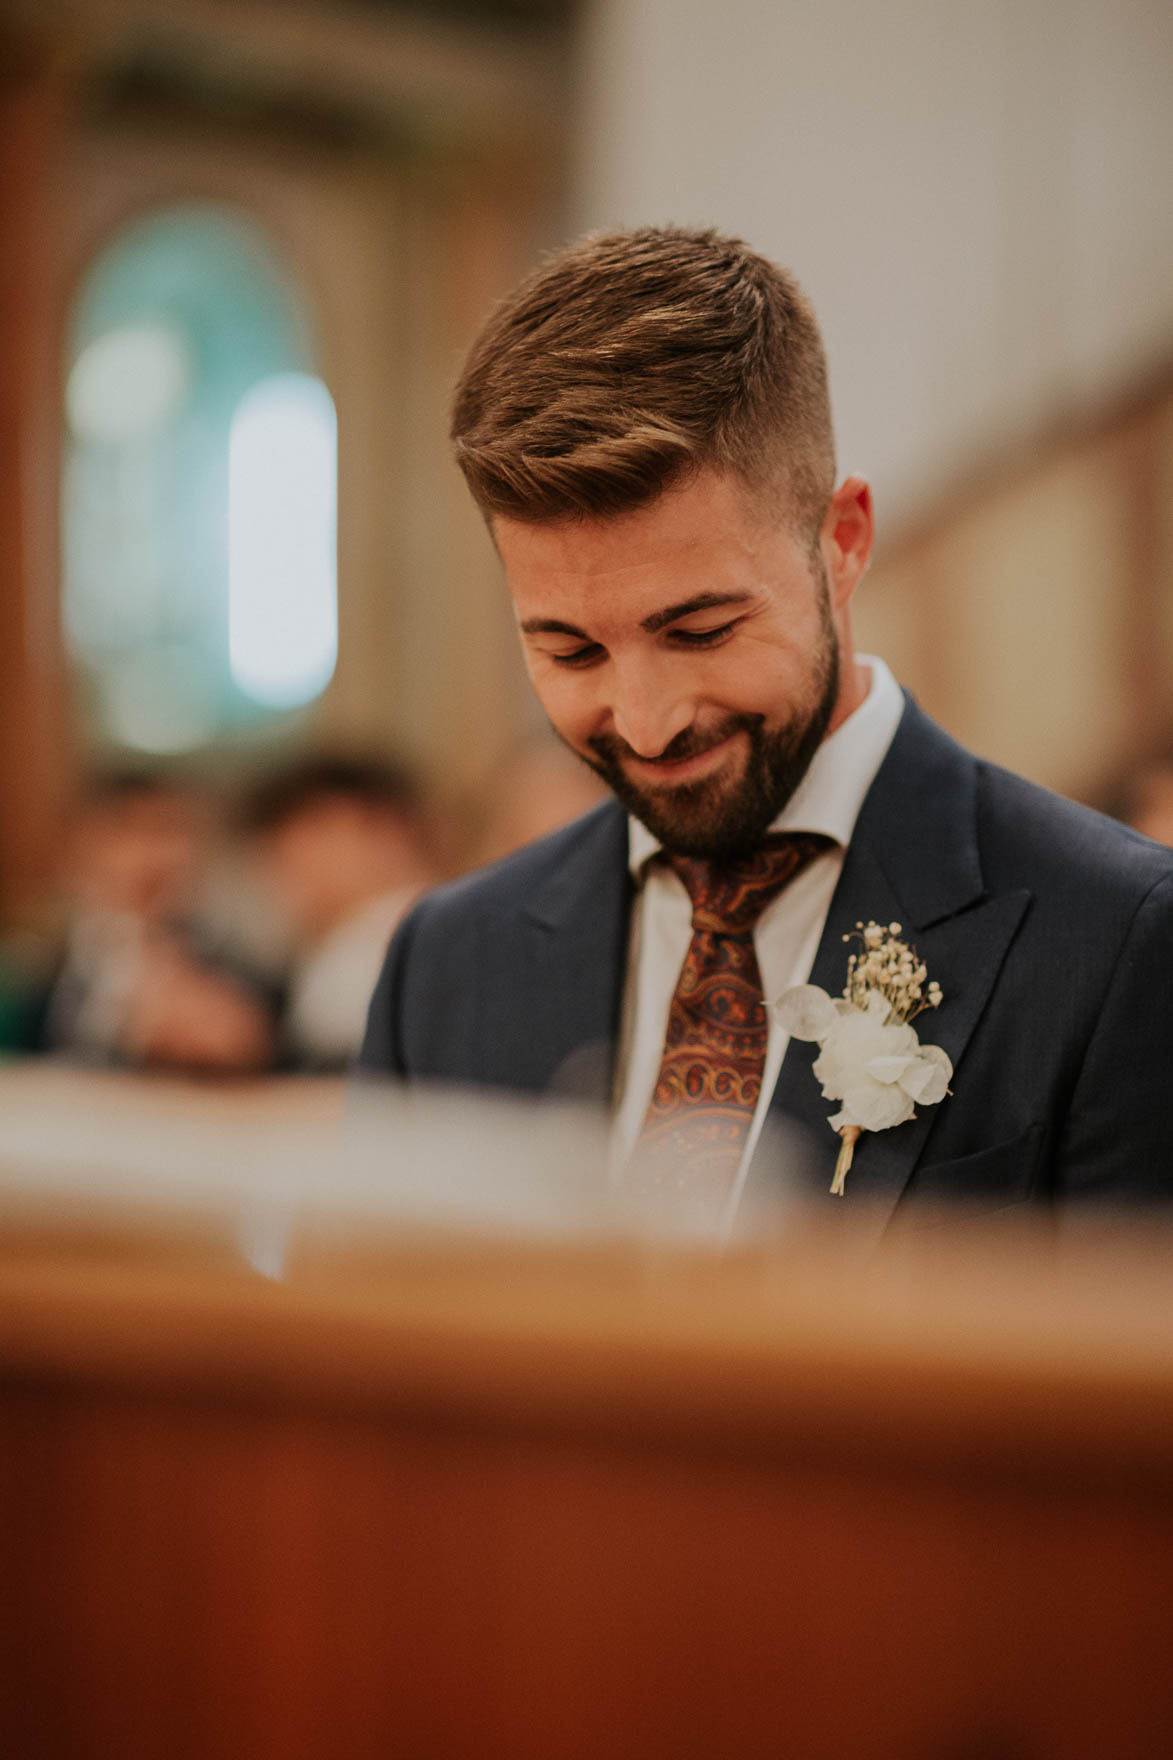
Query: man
645	426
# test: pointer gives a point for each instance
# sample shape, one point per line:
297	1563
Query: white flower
807	1012
870	1057
874	1065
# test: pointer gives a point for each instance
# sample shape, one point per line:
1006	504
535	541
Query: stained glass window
199	495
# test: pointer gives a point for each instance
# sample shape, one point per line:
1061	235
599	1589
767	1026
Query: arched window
199	494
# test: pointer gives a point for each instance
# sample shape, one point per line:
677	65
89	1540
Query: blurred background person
140	981
344	847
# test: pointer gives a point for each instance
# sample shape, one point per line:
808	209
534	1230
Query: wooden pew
424	1496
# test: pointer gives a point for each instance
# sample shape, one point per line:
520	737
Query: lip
679	770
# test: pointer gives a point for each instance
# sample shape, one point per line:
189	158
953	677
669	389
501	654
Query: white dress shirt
788	932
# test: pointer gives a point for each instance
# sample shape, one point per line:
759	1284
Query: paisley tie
710	1077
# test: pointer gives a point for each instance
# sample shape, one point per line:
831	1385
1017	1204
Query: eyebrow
553	626
699	602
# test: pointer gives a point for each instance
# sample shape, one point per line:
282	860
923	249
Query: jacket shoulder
934	795
1048	840
496	977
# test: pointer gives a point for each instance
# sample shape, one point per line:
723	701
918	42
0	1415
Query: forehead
705	536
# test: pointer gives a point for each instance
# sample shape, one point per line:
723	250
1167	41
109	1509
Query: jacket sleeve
1116	1143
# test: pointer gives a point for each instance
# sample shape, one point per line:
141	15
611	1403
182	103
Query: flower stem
850	1135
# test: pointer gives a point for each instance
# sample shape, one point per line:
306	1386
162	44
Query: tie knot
728	897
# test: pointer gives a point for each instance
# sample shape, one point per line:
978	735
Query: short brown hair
629	360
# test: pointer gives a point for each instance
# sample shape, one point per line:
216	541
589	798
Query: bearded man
645	426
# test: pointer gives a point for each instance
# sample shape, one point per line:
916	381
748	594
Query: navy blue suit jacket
1049	929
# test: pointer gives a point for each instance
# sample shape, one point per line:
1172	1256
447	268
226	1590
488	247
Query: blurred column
33	742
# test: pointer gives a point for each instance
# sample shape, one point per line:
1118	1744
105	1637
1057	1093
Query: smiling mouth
678	770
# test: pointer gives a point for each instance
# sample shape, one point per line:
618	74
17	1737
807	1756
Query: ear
846	537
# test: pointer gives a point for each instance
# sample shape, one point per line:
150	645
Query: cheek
567	699
757	678
772	675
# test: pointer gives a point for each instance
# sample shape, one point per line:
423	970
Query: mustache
688	743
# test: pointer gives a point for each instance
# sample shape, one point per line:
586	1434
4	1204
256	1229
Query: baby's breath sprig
890	967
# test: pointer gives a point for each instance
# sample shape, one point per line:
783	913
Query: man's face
686	651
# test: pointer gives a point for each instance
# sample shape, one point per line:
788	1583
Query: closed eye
578	657
702	638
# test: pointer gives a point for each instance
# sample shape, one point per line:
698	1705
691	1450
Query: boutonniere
871	1058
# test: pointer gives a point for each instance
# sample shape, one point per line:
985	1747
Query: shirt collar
830	795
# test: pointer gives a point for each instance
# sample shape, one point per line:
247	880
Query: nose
649	708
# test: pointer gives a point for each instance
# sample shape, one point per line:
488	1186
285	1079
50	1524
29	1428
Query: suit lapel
913	860
572	934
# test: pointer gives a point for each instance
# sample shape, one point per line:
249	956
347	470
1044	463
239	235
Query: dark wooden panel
207	1554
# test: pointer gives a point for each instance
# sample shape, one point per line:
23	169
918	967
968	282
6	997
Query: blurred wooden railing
439	1497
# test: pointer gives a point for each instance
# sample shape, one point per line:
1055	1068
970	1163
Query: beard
719	819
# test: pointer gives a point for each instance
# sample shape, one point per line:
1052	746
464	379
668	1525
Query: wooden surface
428	1497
